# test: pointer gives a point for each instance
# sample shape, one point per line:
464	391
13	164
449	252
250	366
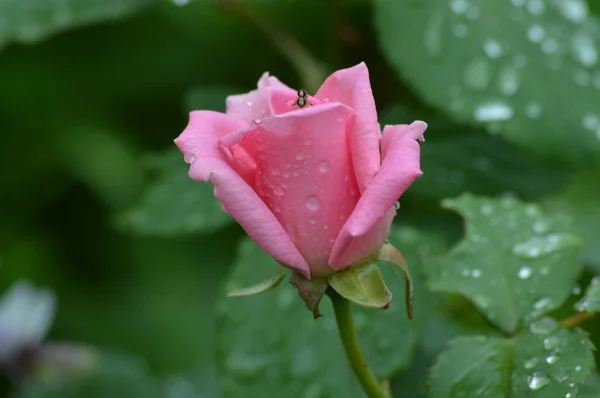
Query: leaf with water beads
271	343
515	263
508	65
545	362
591	300
174	204
29	21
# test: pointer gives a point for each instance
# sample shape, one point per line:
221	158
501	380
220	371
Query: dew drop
324	167
257	121
397	205
575	11
460	31
577	368
543	326
492	48
308	142
189	158
538	380
486	209
536	33
509	81
296	173
525	273
300	155
536	7
552	342
459	6
543	245
477	74
590	121
584	50
312	221
250	103
533	110
552	359
434	34
312	202
181	3
520	61
493	111
577	290
549	46
476	273
531	362
278	191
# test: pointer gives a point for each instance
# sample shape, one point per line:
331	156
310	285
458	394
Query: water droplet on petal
312	221
257	121
312	202
300	155
189	158
308	142
278	191
324	167
397	205
250	103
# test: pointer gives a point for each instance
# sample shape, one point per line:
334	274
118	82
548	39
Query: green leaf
545	365
591	388
86	150
174	204
362	285
29	21
297	353
260	287
511	262
507	65
591	300
580	200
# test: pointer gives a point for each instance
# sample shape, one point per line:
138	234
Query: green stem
343	315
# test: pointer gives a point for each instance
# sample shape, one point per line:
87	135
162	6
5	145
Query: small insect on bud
302	100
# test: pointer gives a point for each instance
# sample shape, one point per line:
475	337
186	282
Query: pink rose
308	185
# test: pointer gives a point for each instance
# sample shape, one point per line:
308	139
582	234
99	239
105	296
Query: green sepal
261	287
390	255
363	285
311	291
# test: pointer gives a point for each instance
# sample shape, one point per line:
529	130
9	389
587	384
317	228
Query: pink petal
352	87
400	167
305	175
203	132
254	105
199	143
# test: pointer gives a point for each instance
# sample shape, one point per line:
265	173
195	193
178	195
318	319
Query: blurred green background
95	203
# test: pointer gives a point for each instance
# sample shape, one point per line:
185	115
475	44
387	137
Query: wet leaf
591	299
542	364
511	262
506	65
297	353
174	204
29	21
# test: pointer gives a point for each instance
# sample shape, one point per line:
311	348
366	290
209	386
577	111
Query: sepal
363	285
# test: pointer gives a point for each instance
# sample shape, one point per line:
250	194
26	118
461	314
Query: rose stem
343	315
